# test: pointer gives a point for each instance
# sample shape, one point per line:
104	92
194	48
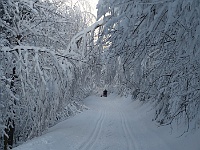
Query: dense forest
50	59
152	52
39	85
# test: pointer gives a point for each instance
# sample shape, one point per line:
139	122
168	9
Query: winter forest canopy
50	59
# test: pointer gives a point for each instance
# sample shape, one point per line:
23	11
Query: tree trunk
8	139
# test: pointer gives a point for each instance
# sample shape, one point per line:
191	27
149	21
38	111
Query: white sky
93	4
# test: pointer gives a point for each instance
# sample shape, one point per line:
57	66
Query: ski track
127	136
130	139
92	139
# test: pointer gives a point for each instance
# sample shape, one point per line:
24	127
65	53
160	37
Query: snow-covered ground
112	123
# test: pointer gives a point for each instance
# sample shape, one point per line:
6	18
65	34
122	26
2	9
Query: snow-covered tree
37	87
156	44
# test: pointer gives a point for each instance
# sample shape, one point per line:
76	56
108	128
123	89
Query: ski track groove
128	138
92	139
131	141
125	131
98	132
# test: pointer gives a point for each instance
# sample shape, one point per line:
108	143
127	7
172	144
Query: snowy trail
111	123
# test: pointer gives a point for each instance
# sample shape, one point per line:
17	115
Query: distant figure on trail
105	93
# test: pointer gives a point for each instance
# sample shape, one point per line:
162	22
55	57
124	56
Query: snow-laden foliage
40	83
84	48
152	51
